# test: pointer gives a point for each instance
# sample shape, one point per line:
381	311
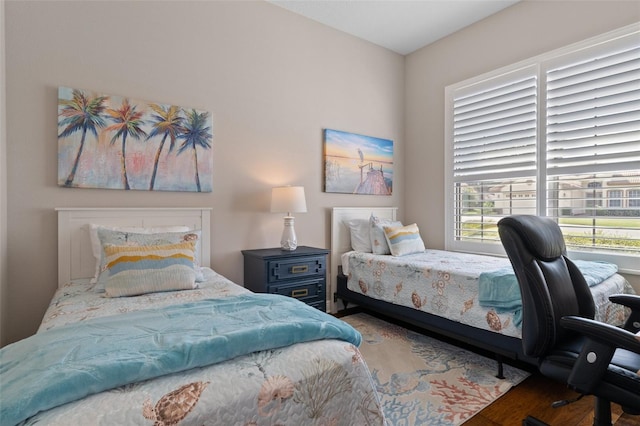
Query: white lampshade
288	199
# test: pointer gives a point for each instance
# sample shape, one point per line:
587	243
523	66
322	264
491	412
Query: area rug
424	381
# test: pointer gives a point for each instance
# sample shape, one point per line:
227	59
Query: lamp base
289	240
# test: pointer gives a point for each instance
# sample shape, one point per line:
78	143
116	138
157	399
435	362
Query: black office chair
558	329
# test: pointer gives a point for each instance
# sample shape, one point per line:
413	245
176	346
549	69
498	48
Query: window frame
540	64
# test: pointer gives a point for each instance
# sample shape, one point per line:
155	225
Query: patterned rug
423	381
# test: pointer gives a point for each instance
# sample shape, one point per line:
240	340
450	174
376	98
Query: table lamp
288	199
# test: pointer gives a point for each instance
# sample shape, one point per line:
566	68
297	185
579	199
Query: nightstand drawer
307	266
306	291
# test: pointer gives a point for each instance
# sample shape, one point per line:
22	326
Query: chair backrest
551	285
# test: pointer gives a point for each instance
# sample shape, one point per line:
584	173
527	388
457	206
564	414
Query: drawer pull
301	292
301	269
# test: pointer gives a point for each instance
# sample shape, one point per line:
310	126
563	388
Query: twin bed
213	354
471	298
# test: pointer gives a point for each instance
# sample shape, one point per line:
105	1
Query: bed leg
500	374
344	302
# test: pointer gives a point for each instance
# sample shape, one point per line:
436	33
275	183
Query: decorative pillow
134	270
114	237
360	235
96	247
404	240
378	240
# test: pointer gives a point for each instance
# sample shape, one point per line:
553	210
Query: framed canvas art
357	164
114	142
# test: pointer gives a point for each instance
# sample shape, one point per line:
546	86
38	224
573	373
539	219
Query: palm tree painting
196	134
128	122
80	114
116	142
167	122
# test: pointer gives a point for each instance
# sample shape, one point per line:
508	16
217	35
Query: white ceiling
399	25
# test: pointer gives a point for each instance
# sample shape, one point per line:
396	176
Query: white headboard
341	236
75	258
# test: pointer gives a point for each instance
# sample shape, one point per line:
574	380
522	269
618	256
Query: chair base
532	421
602	413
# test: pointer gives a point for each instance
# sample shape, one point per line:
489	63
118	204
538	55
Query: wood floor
533	397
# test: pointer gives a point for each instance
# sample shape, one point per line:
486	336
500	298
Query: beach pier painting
357	164
114	142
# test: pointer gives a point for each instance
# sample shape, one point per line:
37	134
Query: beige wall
527	29
272	79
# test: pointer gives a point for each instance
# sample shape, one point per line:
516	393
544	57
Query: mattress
317	382
445	284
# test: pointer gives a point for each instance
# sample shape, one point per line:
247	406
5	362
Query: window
615	198
557	135
634	198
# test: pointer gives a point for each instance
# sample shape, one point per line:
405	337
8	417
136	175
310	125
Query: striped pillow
120	238
403	240
134	270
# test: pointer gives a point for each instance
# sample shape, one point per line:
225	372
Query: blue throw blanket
67	363
499	289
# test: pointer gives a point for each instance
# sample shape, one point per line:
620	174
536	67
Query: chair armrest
606	334
631	301
601	342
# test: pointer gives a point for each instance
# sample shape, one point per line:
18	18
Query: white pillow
96	246
378	240
404	240
360	235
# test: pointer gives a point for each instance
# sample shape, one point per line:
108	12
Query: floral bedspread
322	382
445	283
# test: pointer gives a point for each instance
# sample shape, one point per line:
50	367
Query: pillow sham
115	237
379	243
360	235
404	240
135	270
96	247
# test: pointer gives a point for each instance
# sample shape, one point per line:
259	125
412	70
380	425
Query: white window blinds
494	128
593	113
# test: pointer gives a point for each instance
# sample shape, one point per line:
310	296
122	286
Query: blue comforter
499	289
68	363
